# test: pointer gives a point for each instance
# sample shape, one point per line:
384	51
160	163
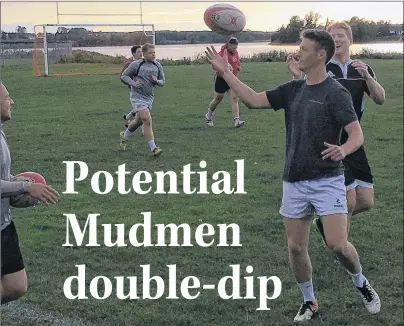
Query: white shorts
359	183
139	106
323	196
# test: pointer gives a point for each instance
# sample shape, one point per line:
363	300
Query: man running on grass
221	87
143	76
137	54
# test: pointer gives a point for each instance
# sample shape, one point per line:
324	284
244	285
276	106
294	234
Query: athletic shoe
307	311
209	121
123	142
370	298
157	151
239	123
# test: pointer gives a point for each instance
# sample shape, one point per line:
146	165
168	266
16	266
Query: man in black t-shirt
316	109
358	78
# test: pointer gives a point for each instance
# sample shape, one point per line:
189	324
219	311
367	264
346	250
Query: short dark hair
323	40
134	48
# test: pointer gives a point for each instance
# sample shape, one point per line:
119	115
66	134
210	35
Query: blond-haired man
143	76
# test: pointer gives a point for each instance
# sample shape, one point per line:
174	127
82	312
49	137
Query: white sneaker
239	123
370	298
307	311
209	121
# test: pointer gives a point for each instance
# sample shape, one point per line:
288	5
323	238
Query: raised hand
361	68
219	63
293	66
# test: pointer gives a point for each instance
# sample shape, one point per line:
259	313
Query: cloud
172	13
12	27
163	13
191	10
178	22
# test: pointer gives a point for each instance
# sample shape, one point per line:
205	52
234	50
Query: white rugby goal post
80	44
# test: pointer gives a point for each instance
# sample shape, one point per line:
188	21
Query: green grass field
79	118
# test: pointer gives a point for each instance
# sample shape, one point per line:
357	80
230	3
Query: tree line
81	37
363	31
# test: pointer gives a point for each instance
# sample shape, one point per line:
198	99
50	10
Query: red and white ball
224	19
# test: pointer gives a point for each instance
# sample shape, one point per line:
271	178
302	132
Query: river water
245	49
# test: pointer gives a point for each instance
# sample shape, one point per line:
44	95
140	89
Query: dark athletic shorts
221	86
357	170
11	257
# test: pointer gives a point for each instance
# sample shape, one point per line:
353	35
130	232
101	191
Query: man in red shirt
136	51
221	86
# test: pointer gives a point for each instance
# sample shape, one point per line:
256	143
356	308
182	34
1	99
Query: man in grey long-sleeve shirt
13	276
143	76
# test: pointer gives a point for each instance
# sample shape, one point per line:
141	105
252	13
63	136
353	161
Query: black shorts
11	257
357	169
221	86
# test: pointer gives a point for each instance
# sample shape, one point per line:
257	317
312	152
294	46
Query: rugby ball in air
224	19
25	200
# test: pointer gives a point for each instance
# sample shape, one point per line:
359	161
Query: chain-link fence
20	52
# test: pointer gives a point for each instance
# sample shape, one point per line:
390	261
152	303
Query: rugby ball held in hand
225	19
35	177
25	200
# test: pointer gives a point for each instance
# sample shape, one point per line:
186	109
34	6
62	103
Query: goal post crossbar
45	43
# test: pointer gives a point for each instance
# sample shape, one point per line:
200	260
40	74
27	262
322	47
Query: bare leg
235	109
13	286
364	200
217	98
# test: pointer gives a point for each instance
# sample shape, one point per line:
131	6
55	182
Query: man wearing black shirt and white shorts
316	109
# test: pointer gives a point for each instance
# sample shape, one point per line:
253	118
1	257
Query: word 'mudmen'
221	180
140	234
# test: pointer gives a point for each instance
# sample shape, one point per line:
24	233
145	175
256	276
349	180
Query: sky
262	16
